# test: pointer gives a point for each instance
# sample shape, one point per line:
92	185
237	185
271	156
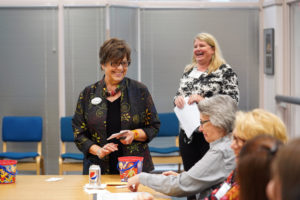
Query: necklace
111	93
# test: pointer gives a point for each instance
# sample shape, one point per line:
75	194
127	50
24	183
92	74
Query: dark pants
86	166
192	150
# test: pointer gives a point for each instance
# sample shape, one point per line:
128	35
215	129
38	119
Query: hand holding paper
116	135
189	117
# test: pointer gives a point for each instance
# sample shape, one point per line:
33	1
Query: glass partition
29	70
124	25
84	34
167	45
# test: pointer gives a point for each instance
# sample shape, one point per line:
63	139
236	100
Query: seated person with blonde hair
247	126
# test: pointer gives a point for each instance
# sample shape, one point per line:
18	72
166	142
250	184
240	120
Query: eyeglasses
203	122
117	64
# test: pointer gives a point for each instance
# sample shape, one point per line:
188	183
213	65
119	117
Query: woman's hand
144	196
195	98
130	135
133	183
170	173
179	102
126	138
106	149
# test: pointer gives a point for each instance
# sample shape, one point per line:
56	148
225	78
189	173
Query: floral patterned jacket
137	111
222	81
233	190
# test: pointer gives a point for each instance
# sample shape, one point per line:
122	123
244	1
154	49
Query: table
69	188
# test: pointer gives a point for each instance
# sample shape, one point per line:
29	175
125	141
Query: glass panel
167	44
29	71
84	34
123	25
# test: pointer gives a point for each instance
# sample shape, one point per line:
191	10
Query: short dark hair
114	50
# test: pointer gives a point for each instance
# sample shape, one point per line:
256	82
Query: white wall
271	83
295	63
283	16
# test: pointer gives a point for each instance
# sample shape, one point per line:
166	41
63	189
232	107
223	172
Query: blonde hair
217	59
257	122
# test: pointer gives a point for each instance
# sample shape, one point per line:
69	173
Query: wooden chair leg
60	163
42	166
38	165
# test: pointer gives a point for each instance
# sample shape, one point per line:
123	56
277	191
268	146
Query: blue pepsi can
95	175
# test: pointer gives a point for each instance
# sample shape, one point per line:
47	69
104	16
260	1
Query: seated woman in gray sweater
217	115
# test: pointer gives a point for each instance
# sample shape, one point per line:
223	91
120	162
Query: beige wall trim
28	3
286	62
292	1
269	3
261	57
129	3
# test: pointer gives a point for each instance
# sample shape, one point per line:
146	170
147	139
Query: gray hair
221	110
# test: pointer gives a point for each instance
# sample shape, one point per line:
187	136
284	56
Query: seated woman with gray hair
217	116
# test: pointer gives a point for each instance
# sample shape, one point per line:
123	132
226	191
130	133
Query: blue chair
68	161
169	127
24	129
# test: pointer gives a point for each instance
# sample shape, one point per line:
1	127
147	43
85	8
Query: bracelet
136	134
98	152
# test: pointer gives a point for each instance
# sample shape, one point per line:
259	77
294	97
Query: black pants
192	150
86	166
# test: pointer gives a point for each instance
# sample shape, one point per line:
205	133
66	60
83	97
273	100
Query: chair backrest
66	130
169	125
22	128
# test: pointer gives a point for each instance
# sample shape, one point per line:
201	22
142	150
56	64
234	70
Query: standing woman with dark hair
110	105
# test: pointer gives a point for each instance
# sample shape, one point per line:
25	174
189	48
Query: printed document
189	117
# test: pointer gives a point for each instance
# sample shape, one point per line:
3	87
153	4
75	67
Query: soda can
95	175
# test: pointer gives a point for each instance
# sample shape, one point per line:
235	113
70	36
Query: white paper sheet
97	192
53	179
118	196
189	117
88	186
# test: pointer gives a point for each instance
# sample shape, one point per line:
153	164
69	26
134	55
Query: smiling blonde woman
206	76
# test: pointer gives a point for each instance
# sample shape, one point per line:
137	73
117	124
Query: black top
114	126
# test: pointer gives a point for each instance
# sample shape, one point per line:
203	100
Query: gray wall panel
123	24
167	41
84	34
28	78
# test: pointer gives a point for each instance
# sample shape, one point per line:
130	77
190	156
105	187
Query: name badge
223	190
195	74
96	100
